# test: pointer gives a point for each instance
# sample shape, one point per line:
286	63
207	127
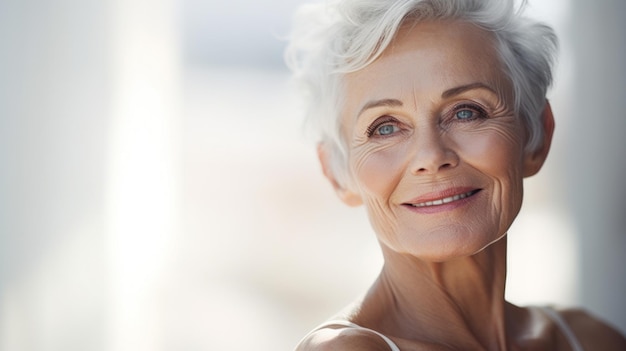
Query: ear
534	161
346	195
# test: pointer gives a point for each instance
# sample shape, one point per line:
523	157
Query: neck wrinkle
460	300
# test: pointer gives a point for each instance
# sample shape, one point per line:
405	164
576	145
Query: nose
432	153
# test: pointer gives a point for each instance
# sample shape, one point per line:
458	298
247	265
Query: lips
444	200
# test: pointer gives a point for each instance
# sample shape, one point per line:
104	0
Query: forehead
435	33
428	58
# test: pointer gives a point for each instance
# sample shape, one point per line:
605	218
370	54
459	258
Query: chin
445	245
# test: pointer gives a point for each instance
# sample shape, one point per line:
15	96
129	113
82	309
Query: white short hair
340	36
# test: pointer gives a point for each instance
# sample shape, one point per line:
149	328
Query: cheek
498	154
377	170
495	151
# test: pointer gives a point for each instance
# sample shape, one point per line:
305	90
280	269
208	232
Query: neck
460	300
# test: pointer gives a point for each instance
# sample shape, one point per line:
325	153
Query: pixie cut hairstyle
333	38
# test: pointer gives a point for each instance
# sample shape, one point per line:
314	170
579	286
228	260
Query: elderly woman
431	114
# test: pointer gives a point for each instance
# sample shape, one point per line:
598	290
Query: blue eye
384	126
469	112
386	129
465	114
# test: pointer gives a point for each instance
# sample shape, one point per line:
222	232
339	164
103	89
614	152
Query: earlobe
534	161
346	195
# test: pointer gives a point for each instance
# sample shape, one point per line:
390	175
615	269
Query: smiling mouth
446	200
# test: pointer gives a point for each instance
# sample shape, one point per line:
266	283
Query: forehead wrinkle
423	98
505	94
415	103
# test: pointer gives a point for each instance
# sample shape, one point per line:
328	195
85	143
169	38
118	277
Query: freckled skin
485	153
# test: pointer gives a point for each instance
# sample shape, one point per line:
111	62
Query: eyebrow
380	103
463	88
445	95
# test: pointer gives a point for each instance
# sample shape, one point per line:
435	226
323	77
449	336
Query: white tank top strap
564	327
347	324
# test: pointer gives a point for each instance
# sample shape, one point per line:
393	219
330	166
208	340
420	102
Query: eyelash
482	113
379	123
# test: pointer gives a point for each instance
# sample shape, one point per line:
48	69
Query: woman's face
435	150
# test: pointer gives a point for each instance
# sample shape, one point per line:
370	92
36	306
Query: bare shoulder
592	332
345	339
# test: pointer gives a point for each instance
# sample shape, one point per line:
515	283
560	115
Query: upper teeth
444	200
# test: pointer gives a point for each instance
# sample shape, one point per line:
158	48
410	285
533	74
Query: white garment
347	324
565	328
551	313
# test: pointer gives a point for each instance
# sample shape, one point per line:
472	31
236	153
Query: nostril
443	166
432	160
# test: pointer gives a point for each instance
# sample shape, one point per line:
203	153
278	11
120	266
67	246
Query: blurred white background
157	191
